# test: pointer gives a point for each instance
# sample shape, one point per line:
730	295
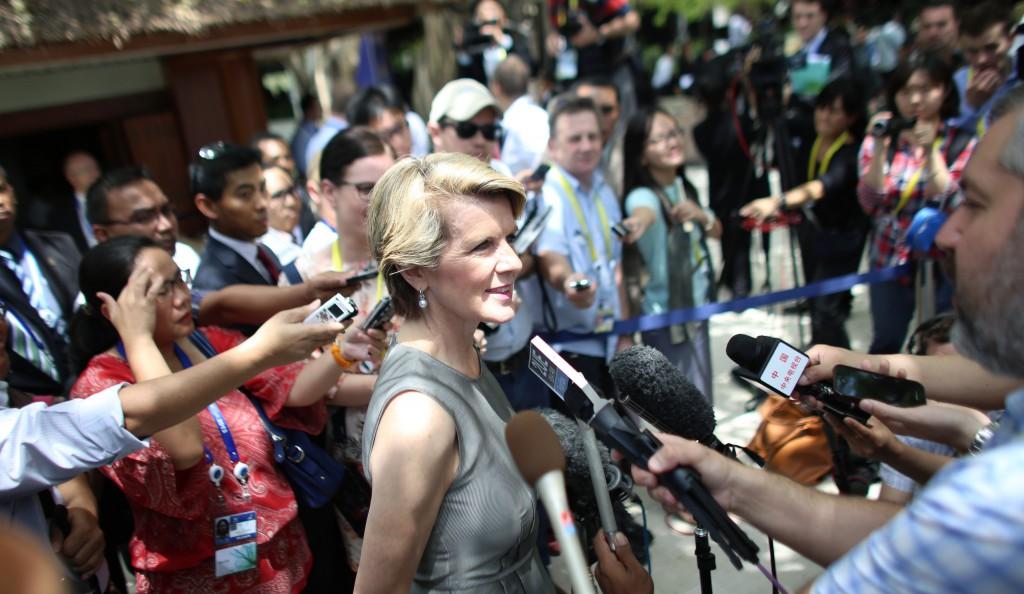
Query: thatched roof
31	23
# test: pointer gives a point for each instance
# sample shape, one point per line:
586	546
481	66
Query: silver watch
982	437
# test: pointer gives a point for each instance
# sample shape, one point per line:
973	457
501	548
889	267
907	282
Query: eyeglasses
467	130
184	280
364	188
674	134
289	191
144	216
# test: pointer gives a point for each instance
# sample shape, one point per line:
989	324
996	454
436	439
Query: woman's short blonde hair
406	225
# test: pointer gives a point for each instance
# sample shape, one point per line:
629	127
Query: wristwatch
982	437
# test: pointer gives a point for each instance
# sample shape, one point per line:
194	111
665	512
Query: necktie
263	255
24	342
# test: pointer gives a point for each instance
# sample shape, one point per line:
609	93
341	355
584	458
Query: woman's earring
422	301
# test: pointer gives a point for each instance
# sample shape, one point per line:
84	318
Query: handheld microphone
585	463
777	365
655	389
621	434
538	455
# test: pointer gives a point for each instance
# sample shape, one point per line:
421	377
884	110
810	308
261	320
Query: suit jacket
58	260
58	215
220	266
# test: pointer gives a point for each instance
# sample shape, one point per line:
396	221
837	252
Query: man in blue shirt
965	531
578	255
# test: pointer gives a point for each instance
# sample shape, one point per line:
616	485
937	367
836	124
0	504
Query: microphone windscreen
578	483
534	446
659	392
745	351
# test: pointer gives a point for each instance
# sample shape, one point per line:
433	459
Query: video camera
473	39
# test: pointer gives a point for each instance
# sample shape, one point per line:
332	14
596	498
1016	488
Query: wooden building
149	81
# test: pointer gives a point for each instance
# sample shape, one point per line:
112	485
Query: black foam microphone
652	387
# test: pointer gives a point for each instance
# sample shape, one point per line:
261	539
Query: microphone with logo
777	365
538	455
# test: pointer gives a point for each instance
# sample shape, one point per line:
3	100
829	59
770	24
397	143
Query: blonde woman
449	509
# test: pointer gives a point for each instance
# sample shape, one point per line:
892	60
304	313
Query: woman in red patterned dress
185	521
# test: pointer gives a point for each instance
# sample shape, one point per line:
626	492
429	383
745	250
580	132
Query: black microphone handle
683	482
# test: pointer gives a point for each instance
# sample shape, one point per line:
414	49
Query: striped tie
24	342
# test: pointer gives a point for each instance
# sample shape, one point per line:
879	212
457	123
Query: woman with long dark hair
673	240
832	239
901	173
213	512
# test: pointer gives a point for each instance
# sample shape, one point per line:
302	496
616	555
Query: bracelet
782	201
982	437
343	362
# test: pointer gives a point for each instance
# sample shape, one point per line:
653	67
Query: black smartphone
580	285
539	173
361	277
379	315
858	383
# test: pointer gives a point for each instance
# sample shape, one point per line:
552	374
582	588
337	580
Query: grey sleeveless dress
485	536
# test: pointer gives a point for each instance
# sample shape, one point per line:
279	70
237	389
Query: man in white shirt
525	123
128	201
81	170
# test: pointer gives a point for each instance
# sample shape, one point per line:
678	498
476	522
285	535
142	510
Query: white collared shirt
526	135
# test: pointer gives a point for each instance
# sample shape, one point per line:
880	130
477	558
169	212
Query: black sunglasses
467	130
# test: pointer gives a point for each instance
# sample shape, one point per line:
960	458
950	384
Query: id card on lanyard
605	269
234	534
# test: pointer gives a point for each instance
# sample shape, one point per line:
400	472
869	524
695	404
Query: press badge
605	319
232	554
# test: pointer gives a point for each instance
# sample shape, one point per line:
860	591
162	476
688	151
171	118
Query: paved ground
674	567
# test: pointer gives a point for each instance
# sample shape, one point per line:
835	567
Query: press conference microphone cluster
538	455
638	447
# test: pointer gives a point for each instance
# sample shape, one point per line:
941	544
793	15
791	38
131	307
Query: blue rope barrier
704	312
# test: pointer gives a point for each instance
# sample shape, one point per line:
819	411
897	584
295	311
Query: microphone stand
705	558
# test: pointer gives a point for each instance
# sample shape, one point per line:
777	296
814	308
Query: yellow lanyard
339	264
584	227
980	128
908	190
831	152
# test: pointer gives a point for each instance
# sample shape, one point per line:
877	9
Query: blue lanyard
214	410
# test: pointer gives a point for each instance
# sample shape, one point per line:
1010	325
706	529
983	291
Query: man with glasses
38	285
283	215
127	201
380	110
986	35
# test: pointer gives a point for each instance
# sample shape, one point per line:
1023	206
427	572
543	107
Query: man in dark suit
825	55
38	286
228	189
236	282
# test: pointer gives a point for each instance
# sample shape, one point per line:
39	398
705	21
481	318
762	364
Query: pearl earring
422	301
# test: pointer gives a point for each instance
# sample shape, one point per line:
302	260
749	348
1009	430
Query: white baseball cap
460	100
